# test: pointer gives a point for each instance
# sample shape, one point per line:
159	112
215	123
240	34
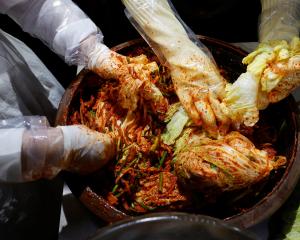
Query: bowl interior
277	125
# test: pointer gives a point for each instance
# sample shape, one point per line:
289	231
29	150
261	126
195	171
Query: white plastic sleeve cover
60	24
11	138
10	154
159	24
30	149
279	20
42	153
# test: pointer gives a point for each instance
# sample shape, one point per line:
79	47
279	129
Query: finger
208	117
220	114
186	100
109	64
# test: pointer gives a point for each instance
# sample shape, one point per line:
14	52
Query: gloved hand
273	70
30	149
279	20
76	148
197	81
71	34
133	74
276	65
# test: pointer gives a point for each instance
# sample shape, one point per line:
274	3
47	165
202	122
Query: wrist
107	63
41	154
80	54
97	55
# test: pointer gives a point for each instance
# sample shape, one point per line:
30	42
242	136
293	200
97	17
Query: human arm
195	76
31	149
71	34
273	68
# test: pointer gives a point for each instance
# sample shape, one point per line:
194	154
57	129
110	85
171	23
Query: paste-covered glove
133	73
32	150
273	70
196	78
73	148
66	29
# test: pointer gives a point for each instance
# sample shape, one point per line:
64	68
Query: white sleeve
10	154
11	141
279	20
30	149
60	24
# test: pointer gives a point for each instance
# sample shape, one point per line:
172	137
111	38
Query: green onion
160	187
122	160
128	166
213	166
115	188
133	162
162	159
93	113
145	206
174	160
119	194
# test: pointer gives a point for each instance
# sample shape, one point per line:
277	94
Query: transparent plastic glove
45	152
276	65
197	81
279	38
133	74
60	24
279	20
11	132
241	99
31	149
273	70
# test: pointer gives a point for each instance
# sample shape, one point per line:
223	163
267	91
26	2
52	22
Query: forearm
273	67
42	153
31	150
10	154
59	24
163	29
280	20
11	141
